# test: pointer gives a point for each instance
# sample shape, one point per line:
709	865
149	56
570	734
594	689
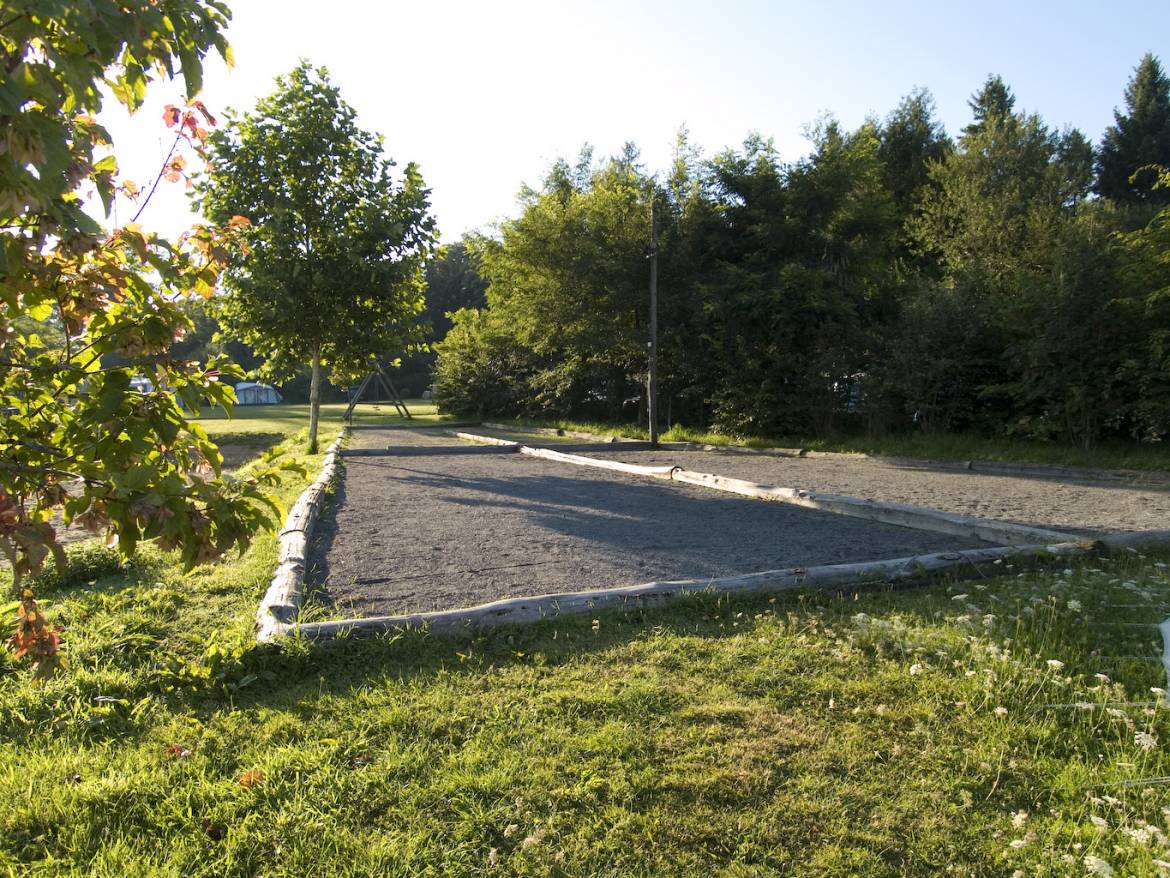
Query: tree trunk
314	401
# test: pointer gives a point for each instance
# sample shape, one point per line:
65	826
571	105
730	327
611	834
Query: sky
484	96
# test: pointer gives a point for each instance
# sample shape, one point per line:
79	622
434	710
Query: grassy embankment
941	447
963	728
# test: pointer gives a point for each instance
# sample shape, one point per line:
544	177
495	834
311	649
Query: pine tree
1138	138
994	101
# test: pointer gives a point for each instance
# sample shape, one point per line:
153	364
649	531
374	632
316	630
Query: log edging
282	601
997	533
510	611
978	465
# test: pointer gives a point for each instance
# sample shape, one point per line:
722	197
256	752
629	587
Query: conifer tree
1139	137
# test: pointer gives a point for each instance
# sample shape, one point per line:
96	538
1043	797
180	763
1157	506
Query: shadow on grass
296	673
238	448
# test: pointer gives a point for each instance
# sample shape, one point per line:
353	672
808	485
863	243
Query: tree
1021	254
1145	293
567	283
453	282
1138	138
332	273
911	139
74	435
991	103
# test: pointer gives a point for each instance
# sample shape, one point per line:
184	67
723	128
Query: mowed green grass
1016	722
286	419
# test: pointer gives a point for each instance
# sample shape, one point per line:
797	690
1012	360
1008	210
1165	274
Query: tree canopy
76	436
1138	139
892	279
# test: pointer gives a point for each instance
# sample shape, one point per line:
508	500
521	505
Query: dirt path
442	524
1057	503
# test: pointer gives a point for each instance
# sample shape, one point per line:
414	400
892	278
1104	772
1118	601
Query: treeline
1014	280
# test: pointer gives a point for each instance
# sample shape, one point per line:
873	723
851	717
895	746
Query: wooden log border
993	467
282	601
997	533
276	616
968	563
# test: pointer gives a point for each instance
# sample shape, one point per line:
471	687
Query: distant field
287	419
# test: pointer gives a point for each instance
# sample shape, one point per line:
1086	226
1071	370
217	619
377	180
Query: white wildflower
915	670
1055	664
1099	822
1097	866
1019	819
1141	836
1104	678
1075	606
1017	843
1001	711
960	597
1145	740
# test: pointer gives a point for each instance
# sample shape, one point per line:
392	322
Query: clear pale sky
485	95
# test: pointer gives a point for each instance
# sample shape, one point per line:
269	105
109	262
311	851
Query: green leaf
192	71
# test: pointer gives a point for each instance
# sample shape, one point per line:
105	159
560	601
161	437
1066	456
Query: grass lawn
286	419
946	447
957	728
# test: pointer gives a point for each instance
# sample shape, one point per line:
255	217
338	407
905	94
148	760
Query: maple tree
333	273
78	435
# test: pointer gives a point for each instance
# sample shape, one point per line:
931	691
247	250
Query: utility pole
652	382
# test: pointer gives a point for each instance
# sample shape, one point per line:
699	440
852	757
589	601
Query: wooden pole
314	400
652	381
357	397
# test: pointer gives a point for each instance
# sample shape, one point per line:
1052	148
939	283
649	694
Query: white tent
255	393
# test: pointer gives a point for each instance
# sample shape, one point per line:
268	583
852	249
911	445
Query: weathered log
532	609
598	462
282	600
484	440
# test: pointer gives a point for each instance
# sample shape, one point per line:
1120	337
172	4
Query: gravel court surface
442	524
1058	503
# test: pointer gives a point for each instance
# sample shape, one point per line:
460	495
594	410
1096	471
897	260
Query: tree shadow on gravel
477	538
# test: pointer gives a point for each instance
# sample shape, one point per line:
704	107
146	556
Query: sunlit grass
290	418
